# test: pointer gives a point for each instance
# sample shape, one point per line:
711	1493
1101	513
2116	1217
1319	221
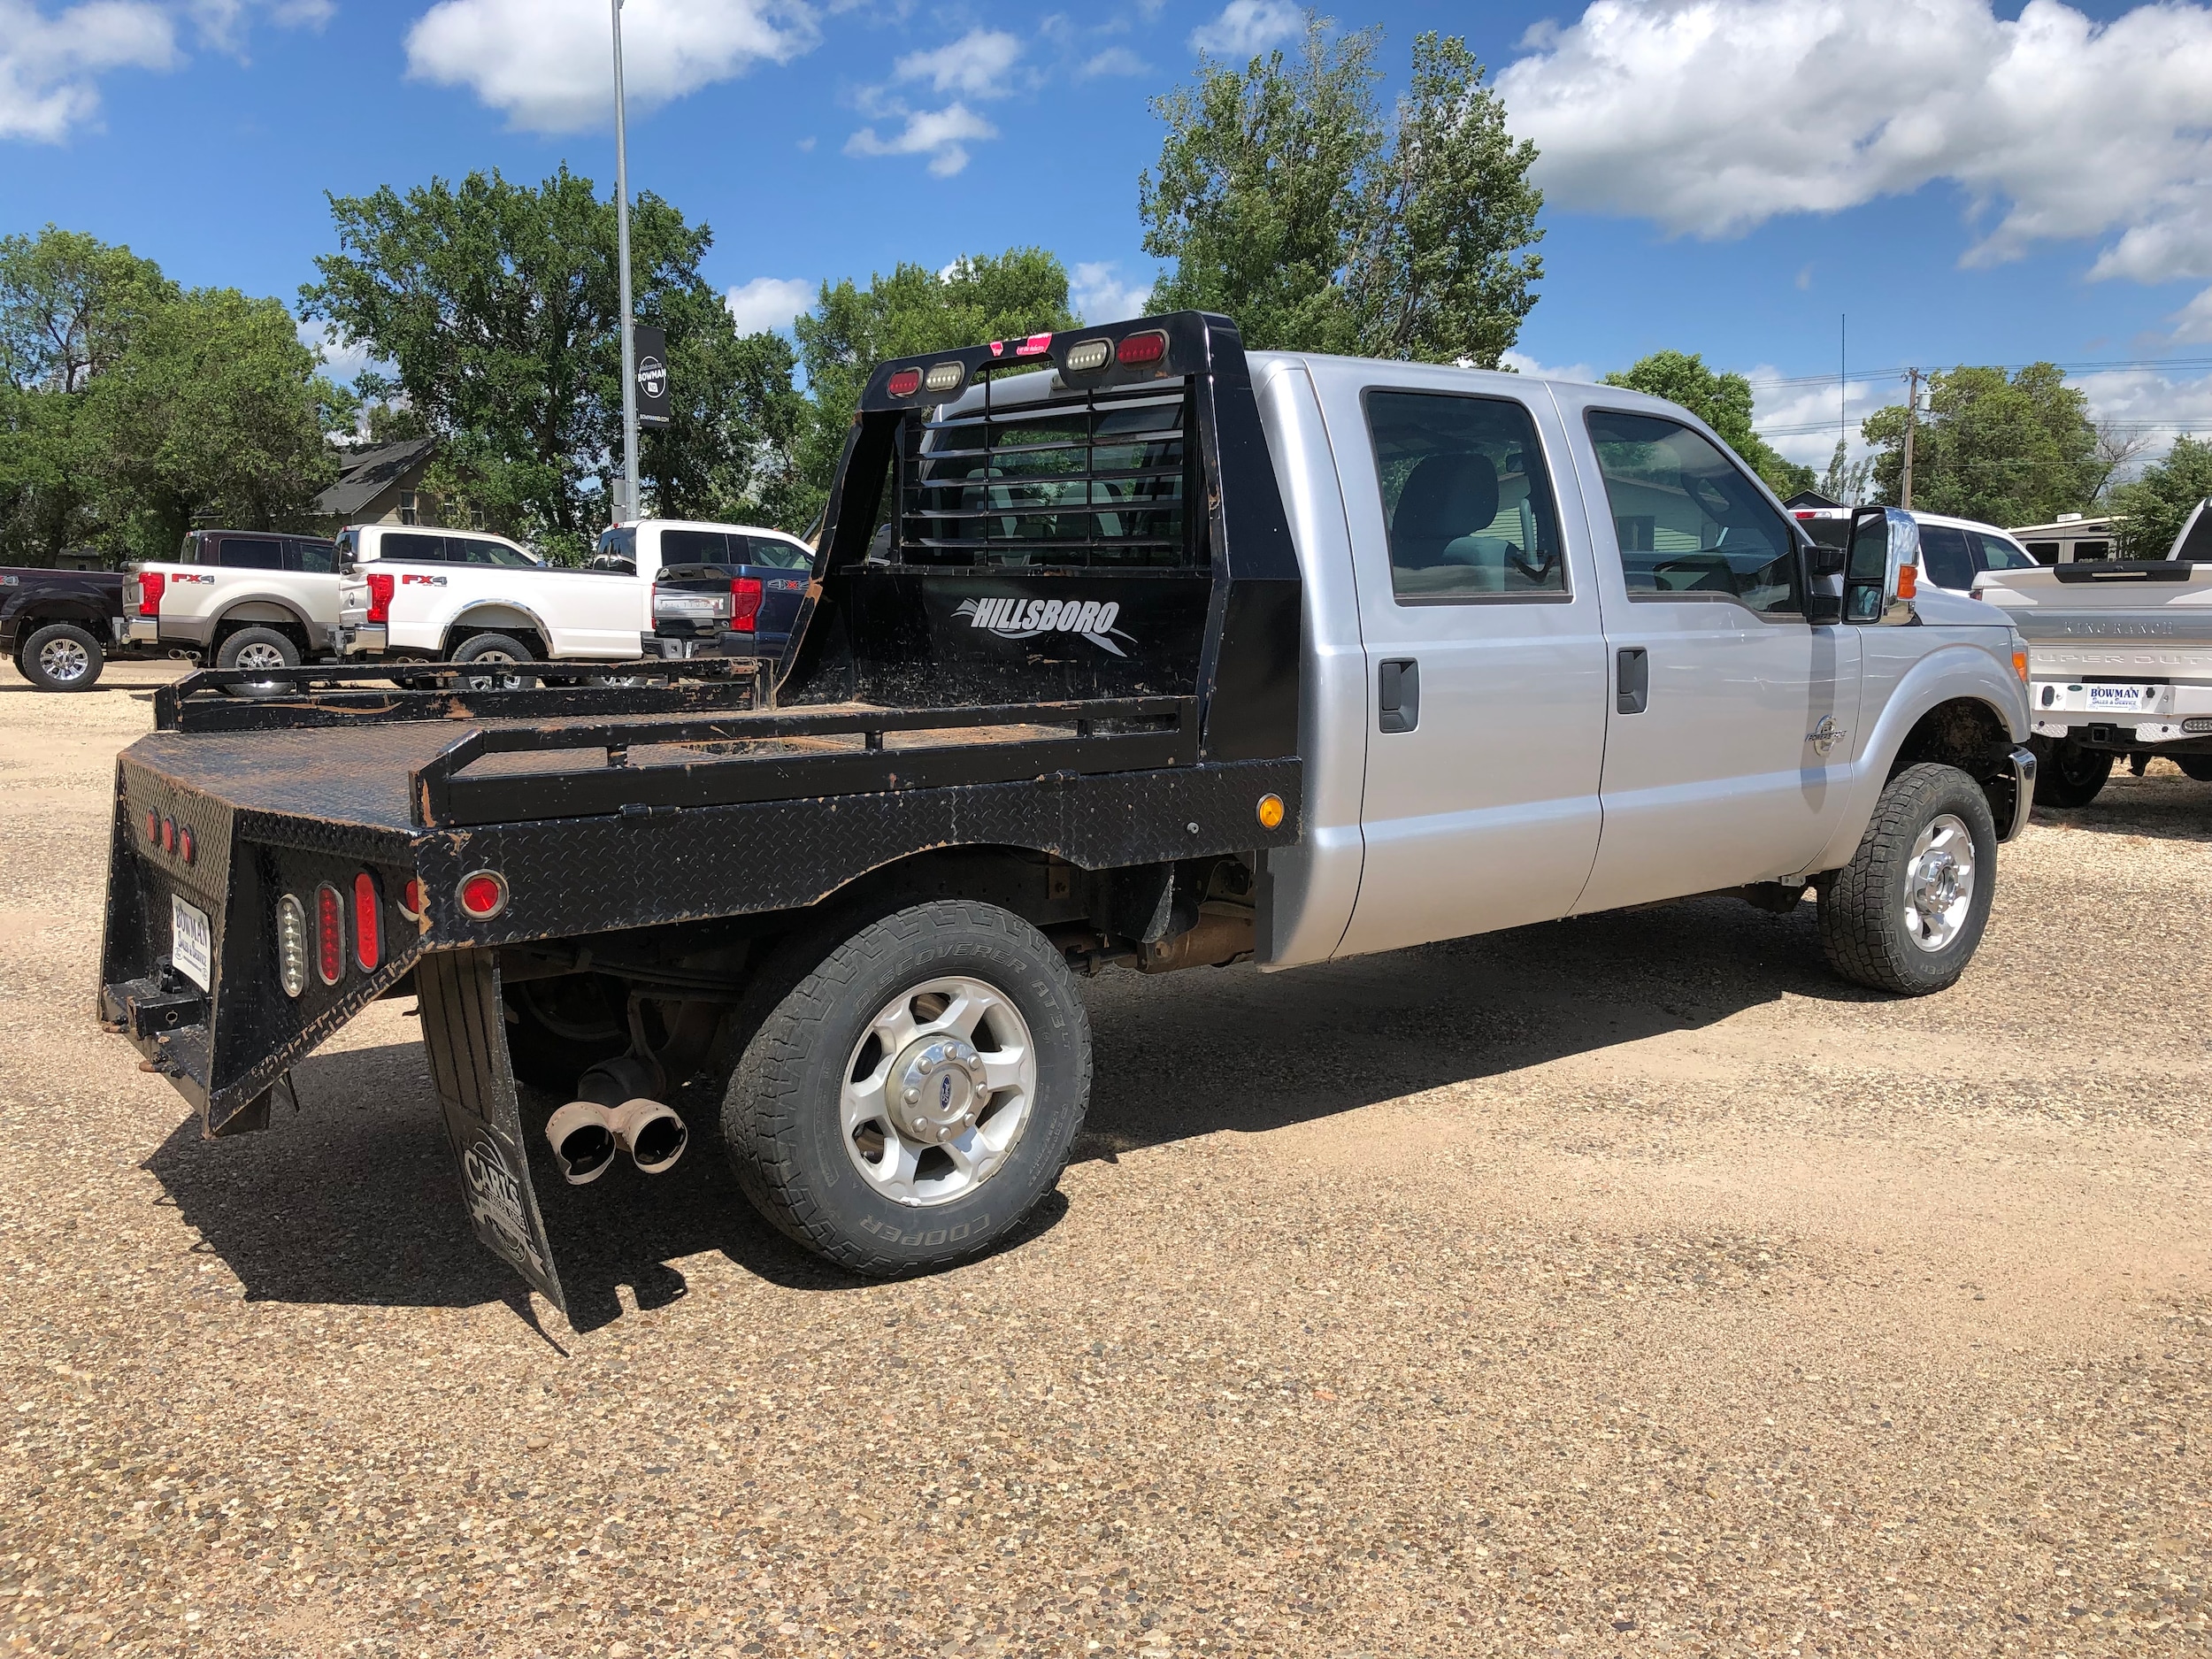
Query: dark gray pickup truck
60	626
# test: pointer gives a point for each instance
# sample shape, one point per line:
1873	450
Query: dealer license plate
2091	698
191	942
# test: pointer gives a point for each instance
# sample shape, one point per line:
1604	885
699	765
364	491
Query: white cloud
1101	296
549	63
943	135
2146	404
1521	363
1712	116
976	64
1248	27
768	303
1799	417
340	362
49	64
1114	60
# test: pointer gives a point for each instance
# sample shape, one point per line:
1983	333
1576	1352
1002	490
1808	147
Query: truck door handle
1399	695
1633	681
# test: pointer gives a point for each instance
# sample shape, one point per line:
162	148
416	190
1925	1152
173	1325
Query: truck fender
501	616
1951	673
262	609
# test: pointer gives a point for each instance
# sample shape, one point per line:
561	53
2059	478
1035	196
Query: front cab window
1466	498
1689	525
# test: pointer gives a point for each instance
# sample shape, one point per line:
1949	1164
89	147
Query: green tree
216	411
2004	450
978	298
1845	482
1286	201
2159	502
497	303
1723	401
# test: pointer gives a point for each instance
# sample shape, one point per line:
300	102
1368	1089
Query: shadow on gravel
356	1199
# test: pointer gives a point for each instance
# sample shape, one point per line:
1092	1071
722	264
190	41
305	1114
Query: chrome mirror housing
1882	573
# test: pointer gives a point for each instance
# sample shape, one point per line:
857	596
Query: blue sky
1968	185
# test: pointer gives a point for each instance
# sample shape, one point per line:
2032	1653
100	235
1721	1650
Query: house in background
383	484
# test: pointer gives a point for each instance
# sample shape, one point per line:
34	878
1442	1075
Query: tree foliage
978	298
1723	401
496	305
1287	202
130	407
2004	450
2159	502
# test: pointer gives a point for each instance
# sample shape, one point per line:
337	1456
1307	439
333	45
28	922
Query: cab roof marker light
1089	355
945	377
905	383
1136	349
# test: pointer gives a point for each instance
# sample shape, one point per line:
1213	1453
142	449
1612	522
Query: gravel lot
1621	1286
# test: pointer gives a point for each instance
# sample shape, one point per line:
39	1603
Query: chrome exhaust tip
584	1141
651	1134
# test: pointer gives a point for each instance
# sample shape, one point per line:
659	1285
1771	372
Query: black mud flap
464	1028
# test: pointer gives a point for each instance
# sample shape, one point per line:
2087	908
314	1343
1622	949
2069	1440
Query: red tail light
745	593
168	835
411	900
1149	347
368	924
149	585
380	595
330	934
483	894
905	383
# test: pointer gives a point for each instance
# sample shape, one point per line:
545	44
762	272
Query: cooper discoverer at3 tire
911	1098
1907	912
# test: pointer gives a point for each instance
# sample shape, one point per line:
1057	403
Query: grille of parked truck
1122	648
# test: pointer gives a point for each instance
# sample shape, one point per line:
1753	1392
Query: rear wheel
2069	774
250	649
915	1095
497	651
1907	912
61	656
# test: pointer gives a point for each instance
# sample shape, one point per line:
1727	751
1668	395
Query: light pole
626	501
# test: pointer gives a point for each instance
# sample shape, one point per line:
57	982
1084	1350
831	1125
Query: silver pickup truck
1121	647
2120	666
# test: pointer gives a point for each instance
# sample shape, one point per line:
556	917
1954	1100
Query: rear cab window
1465	498
1993	552
250	552
1690	525
1944	556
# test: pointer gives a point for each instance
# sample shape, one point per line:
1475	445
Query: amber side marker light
1271	811
2020	665
1908	580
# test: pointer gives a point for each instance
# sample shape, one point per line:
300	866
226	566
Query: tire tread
1854	913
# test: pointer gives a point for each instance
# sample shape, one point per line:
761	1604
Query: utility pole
1912	419
627	500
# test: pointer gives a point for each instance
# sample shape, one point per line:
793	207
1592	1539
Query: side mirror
1822	580
1882	570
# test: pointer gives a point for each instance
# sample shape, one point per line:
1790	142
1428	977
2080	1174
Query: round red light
168	835
411	900
905	383
186	848
483	895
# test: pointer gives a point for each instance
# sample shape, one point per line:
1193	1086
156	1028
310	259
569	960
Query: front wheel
1907	912
2069	774
914	1095
61	656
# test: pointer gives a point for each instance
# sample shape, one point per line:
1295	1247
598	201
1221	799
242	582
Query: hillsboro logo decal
1025	618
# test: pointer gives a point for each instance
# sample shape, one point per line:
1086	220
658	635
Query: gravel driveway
1626	1285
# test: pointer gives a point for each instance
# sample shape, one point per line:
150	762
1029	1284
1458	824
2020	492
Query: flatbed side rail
204	702
1103	735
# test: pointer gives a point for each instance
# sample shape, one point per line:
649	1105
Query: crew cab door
1486	662
1729	727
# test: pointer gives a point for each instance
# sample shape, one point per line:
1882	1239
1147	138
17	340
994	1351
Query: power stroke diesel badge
1026	619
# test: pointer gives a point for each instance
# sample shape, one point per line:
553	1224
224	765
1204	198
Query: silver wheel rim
495	682
938	1091
1940	882
64	659
258	656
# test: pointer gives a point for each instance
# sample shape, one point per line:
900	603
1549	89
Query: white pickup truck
1163	656
2120	665
466	596
247	599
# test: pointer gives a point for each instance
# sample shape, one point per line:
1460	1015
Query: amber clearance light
1271	811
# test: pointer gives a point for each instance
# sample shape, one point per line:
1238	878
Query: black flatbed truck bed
698	823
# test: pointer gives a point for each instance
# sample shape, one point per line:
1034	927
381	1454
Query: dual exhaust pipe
615	1112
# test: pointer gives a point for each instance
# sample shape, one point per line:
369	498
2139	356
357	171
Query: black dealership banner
650	352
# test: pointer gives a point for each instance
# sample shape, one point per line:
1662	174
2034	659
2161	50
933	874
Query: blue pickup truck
768	572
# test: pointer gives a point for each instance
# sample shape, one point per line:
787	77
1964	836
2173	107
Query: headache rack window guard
1099	478
1104	735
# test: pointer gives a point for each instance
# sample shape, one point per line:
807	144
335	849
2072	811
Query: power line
2087	366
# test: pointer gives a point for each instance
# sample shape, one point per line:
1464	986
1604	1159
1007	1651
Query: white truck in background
248	599
2119	666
